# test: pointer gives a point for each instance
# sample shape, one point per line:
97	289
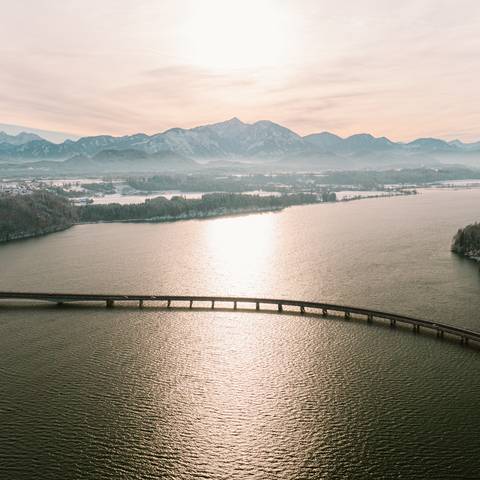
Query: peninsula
40	213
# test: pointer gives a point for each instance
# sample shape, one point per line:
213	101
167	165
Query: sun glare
226	35
239	259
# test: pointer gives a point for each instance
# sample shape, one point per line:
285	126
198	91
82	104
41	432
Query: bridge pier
464	335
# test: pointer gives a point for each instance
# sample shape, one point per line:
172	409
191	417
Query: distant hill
262	142
465	146
324	140
433	145
231	139
110	161
50	135
18	139
138	160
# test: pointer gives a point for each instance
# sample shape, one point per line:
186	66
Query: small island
466	242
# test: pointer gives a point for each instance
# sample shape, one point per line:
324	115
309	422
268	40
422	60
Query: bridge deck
314	307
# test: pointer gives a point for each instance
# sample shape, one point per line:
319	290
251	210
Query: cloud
400	69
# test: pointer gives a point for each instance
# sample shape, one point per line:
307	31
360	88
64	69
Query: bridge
255	304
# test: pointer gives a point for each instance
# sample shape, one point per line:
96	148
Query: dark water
95	393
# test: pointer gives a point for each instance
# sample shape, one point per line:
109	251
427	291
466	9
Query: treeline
356	179
370	179
23	216
42	212
329	196
467	241
107	188
179	207
100	187
200	183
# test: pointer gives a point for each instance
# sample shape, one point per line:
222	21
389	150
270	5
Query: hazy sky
403	69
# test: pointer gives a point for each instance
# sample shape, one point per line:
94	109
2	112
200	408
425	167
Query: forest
23	216
467	241
179	207
42	212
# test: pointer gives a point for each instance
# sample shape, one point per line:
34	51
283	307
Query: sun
236	34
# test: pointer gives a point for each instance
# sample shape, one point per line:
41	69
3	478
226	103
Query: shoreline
406	193
165	219
44	232
471	257
197	216
218	213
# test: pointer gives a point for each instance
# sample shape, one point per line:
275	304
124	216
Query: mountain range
19	139
262	142
50	135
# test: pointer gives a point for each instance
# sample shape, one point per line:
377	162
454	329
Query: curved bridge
464	334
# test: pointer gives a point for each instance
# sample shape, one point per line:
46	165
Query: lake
93	393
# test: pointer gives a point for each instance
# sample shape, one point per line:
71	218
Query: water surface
94	393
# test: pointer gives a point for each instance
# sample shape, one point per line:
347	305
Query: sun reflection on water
241	252
234	400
